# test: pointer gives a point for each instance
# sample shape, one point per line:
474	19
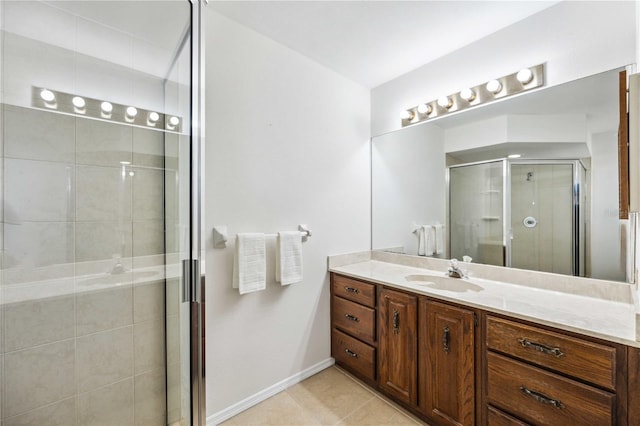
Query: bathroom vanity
540	349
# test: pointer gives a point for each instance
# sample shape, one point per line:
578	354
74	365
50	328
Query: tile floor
331	397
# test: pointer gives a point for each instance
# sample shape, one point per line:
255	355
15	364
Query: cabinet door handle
526	343
540	397
446	339
351	317
396	321
351	353
351	290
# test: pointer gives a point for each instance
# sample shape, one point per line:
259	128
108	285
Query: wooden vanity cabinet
447	363
397	344
434	359
353	326
546	377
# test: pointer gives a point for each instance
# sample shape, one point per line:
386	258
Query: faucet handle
454	262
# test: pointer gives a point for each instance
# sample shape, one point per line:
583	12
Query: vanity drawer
496	417
581	359
355	319
352	353
355	290
544	398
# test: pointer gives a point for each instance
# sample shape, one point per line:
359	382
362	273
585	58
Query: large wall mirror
452	187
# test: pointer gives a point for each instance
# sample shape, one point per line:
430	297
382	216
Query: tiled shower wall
80	345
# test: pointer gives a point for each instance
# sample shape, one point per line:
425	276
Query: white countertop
611	320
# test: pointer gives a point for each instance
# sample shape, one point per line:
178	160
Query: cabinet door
447	382
397	350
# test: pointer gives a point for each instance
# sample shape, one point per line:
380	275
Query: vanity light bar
521	81
103	110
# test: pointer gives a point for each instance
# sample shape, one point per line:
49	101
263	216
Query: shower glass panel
95	219
523	214
476	218
542	212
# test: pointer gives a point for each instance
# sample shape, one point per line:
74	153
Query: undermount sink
457	285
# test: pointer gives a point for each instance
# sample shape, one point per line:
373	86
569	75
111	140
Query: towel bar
221	236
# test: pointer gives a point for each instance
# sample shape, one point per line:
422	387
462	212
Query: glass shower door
97	166
542	217
476	218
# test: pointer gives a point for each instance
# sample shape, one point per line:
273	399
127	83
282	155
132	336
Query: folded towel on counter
289	257
249	264
438	234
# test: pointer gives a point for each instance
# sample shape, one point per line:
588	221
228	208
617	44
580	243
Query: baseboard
257	398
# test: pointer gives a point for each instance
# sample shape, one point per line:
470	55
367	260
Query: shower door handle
190	280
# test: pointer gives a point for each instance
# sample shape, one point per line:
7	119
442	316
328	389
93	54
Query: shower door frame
507	234
576	214
193	289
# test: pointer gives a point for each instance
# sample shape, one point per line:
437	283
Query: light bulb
78	102
494	86
445	102
424	109
47	95
131	111
524	76
106	107
407	114
153	117
467	94
174	121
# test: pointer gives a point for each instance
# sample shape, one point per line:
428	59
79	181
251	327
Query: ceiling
372	42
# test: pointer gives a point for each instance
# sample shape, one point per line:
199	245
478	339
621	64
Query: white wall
287	143
575	39
606	261
408	185
522	128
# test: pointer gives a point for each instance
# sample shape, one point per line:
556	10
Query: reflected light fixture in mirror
104	110
508	85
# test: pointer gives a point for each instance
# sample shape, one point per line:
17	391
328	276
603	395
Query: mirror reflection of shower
519	213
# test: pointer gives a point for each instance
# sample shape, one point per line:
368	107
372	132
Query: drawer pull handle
351	317
446	339
526	343
351	353
540	397
396	322
351	290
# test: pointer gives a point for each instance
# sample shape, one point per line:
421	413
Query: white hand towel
430	240
289	257
249	264
438	231
422	239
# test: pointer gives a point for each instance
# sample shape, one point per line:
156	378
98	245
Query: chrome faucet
454	270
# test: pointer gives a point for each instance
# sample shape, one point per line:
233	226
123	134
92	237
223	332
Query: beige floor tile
378	412
330	396
279	410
